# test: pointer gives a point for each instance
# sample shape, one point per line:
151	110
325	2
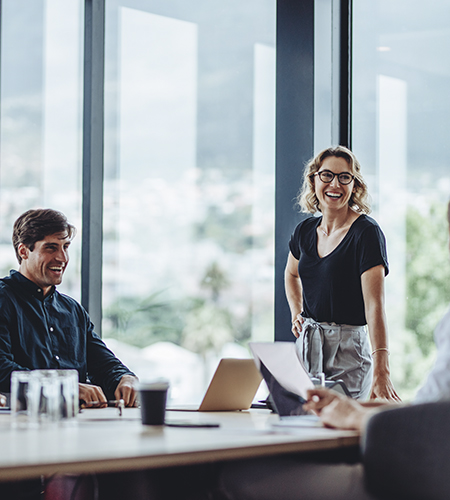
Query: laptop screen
284	402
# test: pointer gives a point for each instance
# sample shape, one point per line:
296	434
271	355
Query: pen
321	377
112	403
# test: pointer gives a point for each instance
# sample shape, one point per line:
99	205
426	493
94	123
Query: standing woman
334	279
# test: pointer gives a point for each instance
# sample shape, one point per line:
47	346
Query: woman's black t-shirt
332	289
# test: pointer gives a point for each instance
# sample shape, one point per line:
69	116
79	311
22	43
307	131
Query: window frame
294	134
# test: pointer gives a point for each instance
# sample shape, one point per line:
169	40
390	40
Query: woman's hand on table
382	388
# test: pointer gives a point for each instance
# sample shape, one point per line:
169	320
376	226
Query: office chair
406	452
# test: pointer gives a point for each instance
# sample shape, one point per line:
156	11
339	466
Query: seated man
41	328
294	477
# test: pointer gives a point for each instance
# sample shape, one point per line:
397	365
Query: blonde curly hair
307	199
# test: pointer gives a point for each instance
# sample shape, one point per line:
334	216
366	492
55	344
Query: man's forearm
6	368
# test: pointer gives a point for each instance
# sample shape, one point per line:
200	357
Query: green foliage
227	229
208	328
427	272
141	322
214	280
196	323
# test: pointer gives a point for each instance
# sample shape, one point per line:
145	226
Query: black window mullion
345	77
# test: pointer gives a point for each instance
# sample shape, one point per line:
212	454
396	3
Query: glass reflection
401	122
189	184
40	123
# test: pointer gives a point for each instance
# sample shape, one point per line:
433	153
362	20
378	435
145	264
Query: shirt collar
23	285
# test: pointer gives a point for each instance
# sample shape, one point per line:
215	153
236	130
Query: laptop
232	387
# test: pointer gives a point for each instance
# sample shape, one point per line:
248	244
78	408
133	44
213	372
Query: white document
281	359
299	421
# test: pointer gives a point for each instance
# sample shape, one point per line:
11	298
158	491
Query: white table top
101	441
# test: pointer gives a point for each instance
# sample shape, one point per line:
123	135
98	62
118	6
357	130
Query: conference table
102	441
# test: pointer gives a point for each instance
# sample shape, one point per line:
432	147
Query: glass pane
41	115
189	184
401	125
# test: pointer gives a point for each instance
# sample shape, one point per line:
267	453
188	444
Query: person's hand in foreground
126	390
336	410
2	400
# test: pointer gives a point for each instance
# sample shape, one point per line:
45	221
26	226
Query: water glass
53	396
20	405
43	397
68	394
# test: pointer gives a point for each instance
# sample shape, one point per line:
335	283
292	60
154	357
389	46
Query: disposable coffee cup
153	398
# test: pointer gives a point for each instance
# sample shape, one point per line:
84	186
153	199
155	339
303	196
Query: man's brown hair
35	225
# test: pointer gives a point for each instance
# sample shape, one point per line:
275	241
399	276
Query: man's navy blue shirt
54	331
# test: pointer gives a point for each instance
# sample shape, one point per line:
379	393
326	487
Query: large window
189	161
401	125
40	118
189	184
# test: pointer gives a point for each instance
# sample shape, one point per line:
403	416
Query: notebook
232	387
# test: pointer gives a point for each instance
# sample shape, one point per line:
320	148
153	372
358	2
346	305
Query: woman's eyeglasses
327	176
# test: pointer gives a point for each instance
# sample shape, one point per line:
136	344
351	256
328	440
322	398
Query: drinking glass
20	405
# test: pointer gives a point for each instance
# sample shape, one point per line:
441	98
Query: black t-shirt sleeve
294	242
372	251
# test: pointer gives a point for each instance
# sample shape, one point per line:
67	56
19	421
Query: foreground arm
372	282
294	293
339	411
2	400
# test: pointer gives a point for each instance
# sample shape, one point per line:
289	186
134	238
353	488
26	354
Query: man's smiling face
46	263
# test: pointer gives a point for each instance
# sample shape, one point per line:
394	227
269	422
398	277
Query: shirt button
57	357
51	328
39	290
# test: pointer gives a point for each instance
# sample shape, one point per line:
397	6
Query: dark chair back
406	452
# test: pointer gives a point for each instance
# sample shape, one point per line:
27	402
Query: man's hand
91	393
126	390
2	400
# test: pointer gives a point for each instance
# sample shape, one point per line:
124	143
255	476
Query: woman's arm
372	282
294	293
